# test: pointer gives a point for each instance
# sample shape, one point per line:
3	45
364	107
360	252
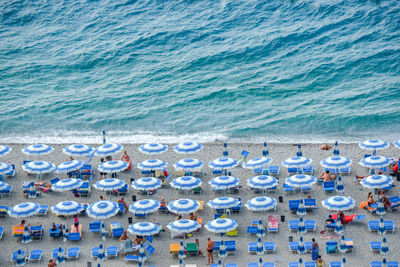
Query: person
101	197
163	203
342	217
325	147
122	201
159	225
328	221
198	247
370	199
43	185
319	261
138	240
124	236
210	247
192	216
69	173
386	202
178	218
395	169
314	250
76	222
326	176
103	175
51	263
125	157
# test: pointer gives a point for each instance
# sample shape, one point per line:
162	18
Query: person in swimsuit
209	248
314	250
125	157
198	247
319	261
370	199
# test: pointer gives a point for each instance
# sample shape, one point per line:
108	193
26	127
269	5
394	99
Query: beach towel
347	218
329	236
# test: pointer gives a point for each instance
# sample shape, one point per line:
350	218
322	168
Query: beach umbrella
152	164
384	247
338	203
342	246
78	150
380	210
262	182
38	167
220	263
113	166
183	206
225	153
300	180
302	228
3	185
69	166
108	150
153	148
300	262
26	236
299	152
25	209
339	226
260	229
60	255
224	182
4	150
109	184
261	203
103	231
103	209
376	181
222	250
181	252
397	143
180	262
65	234
101	255
144	229
301	210
373	144
142	254
339	185
5	168
221	226
382	229
37	149
223	163
260	262
144	206
189	164
32	191
296	162
260	247
20	261
384	262
336	151
183	226
257	163
301	248
223	203
375	162
147	184
336	162
67	208
188	147
67	184
344	262
186	183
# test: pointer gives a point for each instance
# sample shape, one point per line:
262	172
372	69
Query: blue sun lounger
36	255
73	253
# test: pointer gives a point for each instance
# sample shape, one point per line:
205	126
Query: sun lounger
380	264
293	246
36	255
231	265
308	169
331	247
269	246
237	208
55	252
17	231
310	204
309	264
294	205
116	229
94	252
95	226
112	252
329	186
373	226
292	171
287	188
273	224
12	172
6	191
73	253
230	246
252	229
14	256
36	232
1	232
293	264
274	170
375	246
43	210
192	249
335	264
174	248
3	211
75	233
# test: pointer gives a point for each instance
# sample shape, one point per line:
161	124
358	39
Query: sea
178	70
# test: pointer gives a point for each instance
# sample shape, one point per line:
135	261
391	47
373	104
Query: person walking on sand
198	247
209	248
314	250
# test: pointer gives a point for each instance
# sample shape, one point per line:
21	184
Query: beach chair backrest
55	180
310	202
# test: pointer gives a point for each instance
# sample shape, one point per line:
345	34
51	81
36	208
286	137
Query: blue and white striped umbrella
183	206
101	256
78	150
336	151
20	261
4	150
5	168
188	147
301	210
301	180
223	182
339	226
384	247
144	206
301	248
223	163
32	191
109	184
113	166
223	203
60	255
302	228
108	149
152	164
25	209
339	185
261	203
380	210
260	247
188	164
144	229
153	148
142	254
344	262
260	262
257	163
103	209
397	143
342	246
65	234
183	226
67	208
375	162
220	263
186	183
181	263
103	231
37	149
181	252
260	229
69	166
67	184
221	226
26	236
376	181
296	162
38	167
146	184
3	185
222	250
336	162
262	182
381	229
338	203
373	144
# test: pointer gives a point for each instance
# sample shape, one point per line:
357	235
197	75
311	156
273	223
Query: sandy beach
278	152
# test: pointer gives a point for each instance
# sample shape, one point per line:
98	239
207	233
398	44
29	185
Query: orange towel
364	204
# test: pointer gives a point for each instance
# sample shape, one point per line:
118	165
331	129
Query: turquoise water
253	70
